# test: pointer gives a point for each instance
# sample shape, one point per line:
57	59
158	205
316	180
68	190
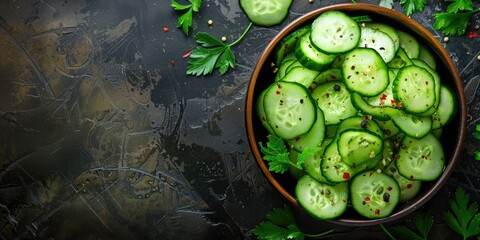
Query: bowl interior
452	136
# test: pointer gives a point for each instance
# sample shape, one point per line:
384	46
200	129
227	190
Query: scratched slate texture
104	136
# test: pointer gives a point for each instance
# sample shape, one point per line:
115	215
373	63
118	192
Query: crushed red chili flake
383	98
409	186
165	29
411	177
264	119
187	53
346	175
172	62
389	188
377	212
473	35
277	92
367	199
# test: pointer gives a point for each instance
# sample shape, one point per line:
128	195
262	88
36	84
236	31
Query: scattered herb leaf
452	23
277	155
281	224
212	54
464	219
423	224
386	4
476	134
459	5
412	6
186	19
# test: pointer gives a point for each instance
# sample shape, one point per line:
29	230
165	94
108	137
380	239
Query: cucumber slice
379	41
412	125
313	138
414	88
379	113
365	72
408	189
310	57
282	70
335	32
261	112
289	109
358	146
321	200
287	45
421	159
427	56
373	194
300	75
446	109
388	30
437	79
409	44
266	12
334	100
312	164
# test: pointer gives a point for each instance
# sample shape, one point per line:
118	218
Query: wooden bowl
452	137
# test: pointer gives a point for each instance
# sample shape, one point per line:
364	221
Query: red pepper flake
411	177
165	29
371	173
396	104
297	139
426	83
473	35
389	188
346	175
310	89
367	199
172	62
383	98
377	212
409	186
187	53
277	92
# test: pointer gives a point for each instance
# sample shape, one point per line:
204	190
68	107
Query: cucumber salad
367	98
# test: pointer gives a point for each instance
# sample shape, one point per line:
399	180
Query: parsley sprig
277	155
212	54
423	223
186	19
455	20
464	219
412	6
476	134
281	224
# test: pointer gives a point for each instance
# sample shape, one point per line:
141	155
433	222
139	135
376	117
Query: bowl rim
419	31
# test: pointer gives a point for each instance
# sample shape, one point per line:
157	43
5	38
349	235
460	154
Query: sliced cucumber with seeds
321	200
379	41
437	80
313	138
409	44
335	32
359	103
446	108
408	188
266	12
421	159
289	109
334	100
374	195
388	30
300	75
412	125
283	69
365	72
287	45
358	146
414	88
310	57
312	164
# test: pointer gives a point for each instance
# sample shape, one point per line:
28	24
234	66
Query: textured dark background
104	136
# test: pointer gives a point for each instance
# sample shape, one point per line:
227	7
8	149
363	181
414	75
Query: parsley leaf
281	225
413	6
185	20
464	219
276	153
459	5
423	224
386	3
452	23
278	157
212	53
